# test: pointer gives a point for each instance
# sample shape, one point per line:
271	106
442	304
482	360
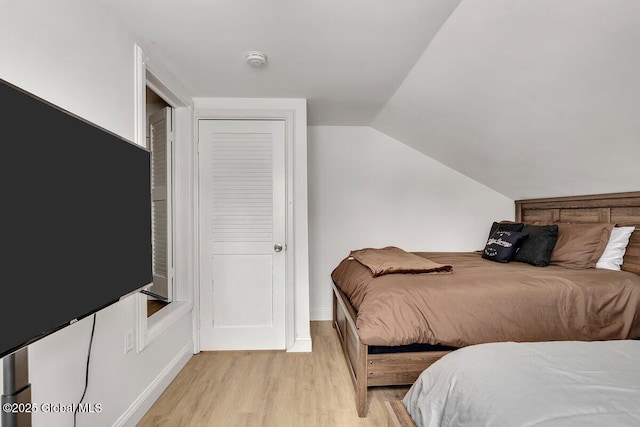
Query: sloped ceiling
346	57
531	98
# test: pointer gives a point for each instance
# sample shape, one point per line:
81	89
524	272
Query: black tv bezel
56	328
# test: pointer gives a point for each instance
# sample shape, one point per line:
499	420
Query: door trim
297	331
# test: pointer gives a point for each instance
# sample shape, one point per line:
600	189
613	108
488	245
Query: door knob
277	247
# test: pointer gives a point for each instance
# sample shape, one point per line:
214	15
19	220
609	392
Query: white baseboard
141	405
321	314
301	345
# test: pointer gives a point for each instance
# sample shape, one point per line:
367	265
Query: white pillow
613	254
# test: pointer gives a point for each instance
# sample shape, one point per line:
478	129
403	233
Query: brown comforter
392	260
485	301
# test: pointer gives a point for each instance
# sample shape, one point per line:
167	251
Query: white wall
369	190
77	56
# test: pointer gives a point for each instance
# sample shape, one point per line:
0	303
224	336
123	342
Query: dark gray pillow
506	226
502	245
536	249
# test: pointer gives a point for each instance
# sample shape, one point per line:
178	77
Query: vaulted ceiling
531	98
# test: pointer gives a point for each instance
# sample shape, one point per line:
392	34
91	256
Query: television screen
75	217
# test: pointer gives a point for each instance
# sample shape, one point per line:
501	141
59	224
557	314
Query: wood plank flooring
269	388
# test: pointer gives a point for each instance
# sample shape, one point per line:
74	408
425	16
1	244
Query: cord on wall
86	377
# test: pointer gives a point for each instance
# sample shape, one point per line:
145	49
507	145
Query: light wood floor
269	388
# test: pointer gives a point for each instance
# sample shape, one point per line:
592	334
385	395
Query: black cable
86	377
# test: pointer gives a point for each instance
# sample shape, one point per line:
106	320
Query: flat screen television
75	217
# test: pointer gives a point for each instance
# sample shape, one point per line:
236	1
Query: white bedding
562	383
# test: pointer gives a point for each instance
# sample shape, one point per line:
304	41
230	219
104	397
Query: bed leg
361	400
361	381
335	310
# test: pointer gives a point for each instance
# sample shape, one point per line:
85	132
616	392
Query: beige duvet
485	301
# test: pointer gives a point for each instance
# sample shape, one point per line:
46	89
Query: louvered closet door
242	222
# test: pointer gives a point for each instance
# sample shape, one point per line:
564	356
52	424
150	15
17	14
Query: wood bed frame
622	209
398	414
370	370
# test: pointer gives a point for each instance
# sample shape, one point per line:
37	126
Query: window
173	227
160	143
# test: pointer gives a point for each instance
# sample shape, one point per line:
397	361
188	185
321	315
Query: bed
560	383
381	365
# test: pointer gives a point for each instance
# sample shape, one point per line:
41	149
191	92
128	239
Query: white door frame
297	332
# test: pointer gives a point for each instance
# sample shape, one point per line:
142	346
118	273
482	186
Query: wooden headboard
622	209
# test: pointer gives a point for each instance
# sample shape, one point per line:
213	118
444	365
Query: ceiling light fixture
256	59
